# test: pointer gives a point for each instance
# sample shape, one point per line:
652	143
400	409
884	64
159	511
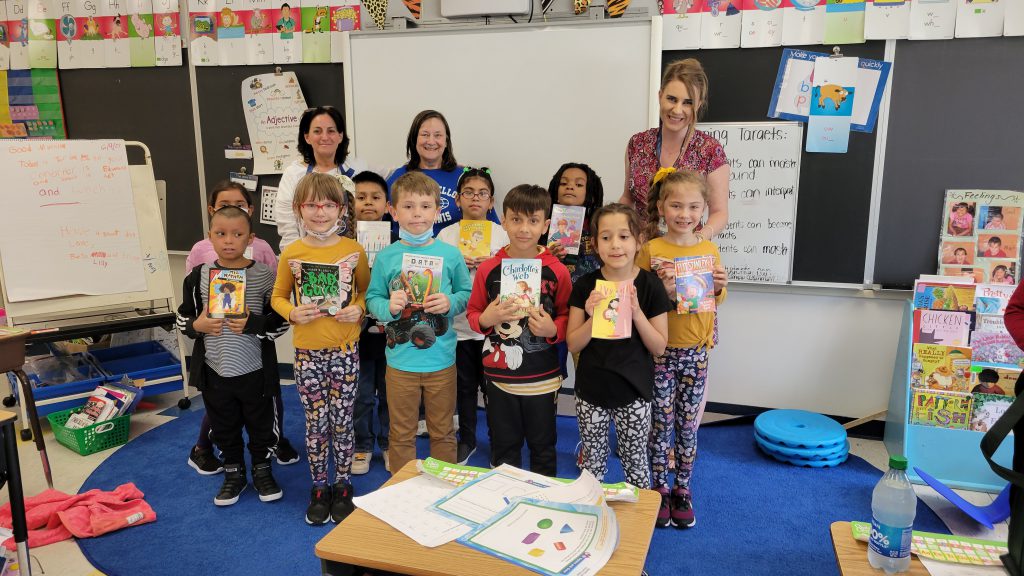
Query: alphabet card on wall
5	51
803	22
202	17
115	33
886	19
979	18
42	34
844	22
140	33
79	40
932	19
721	24
231	42
316	31
17	26
288	36
833	88
681	24
259	31
344	19
167	33
762	23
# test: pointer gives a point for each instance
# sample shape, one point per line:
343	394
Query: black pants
513	419
239	401
469	379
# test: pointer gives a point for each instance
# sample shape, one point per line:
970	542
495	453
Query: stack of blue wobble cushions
801	438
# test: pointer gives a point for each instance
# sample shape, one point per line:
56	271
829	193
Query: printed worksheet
405	506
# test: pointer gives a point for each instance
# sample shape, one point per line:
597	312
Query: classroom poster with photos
981	234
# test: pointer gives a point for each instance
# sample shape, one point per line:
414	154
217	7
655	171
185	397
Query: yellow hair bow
662	172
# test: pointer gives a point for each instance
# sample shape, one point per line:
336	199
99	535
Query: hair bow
346	183
662	172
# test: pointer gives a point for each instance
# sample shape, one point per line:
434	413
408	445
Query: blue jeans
371	391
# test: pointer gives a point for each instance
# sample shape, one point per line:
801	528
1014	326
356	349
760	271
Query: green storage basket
91	439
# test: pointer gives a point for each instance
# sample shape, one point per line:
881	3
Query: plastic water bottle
893	507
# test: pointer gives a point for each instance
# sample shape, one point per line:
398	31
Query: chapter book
421	276
939	367
373	236
987	409
942	327
475	238
227	293
520	282
321	284
942	409
992	298
996	348
944	296
613	315
695	288
567	226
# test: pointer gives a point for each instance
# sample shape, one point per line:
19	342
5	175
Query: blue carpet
754	514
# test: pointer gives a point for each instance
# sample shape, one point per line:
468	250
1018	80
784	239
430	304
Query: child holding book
576	184
475	197
227	193
614	377
234	361
417	287
326	356
678	200
521	364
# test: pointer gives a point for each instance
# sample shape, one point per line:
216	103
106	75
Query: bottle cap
898	462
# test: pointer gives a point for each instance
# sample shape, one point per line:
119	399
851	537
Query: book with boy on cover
987	409
942	327
323	285
421	276
613	315
944	296
695	287
475	238
939	367
567	227
520	282
373	236
227	293
942	409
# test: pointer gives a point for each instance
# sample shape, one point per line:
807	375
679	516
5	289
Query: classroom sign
273	105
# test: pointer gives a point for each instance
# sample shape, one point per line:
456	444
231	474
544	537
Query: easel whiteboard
155	265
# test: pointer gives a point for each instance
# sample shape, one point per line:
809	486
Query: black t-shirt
614	373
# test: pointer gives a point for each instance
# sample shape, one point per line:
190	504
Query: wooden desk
363	540
852	556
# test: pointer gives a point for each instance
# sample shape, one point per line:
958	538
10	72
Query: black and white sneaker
341	501
286	454
319	510
464	452
264	483
234	484
203	461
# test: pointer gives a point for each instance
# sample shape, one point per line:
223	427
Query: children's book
99	407
990	323
993	379
944	296
992	298
421	276
941	409
942	327
373	236
613	315
996	348
939	367
567	226
987	409
321	284
227	293
475	238
520	282
695	288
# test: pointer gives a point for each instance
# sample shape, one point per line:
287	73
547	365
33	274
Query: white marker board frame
744	224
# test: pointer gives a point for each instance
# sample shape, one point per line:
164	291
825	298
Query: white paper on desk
937	568
405	506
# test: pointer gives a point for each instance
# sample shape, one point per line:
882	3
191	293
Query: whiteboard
764	159
521	100
153	265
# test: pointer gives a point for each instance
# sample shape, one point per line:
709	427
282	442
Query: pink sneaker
681	508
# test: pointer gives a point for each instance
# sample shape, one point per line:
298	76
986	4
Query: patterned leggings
327	381
632	430
679	379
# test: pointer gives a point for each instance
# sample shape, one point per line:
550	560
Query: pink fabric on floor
52	516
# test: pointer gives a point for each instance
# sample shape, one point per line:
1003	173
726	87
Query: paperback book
945	409
613	315
987	409
475	238
993	380
373	236
107	401
421	276
996	348
942	327
567	226
227	293
695	288
321	284
520	283
944	296
992	298
938	367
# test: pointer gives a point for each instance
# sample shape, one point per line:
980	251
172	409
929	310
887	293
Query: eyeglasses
314	207
480	194
241	204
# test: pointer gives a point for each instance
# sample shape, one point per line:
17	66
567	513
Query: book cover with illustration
996	348
695	287
942	327
992	298
987	409
939	367
944	296
613	315
993	379
567	226
421	276
322	284
373	236
520	282
990	323
227	293
942	409
475	238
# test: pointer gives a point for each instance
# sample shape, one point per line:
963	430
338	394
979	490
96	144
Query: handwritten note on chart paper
71	227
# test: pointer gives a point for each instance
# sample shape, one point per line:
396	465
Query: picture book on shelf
227	293
996	348
475	238
942	327
695	287
567	226
990	323
421	276
939	367
322	284
373	236
613	315
992	298
520	282
942	409
993	380
944	296
987	409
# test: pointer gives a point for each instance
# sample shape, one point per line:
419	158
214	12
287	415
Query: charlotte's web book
613	315
421	276
987	409
227	293
373	236
940	367
941	409
944	296
992	298
520	282
942	327
996	348
567	226
475	238
321	284
695	288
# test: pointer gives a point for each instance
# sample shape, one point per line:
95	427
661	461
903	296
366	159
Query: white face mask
339	228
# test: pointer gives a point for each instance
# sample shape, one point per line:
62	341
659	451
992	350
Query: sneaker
263	481
682	509
664	512
234	484
341	503
387	461
286	454
421	429
361	462
319	510
204	462
464	452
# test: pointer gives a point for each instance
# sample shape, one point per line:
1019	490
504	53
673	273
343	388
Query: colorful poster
5	51
803	22
34	106
140	33
316	31
79	40
114	26
1013	20
167	40
259	32
273	104
979	18
231	41
42	33
932	19
344	19
886	19
287	22
980	235
832	95
721	24
681	24
844	22
761	24
17	28
202	17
